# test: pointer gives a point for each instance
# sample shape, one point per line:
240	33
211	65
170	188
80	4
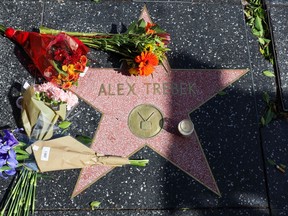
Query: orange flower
67	85
147	58
147	61
83	60
148	28
73	76
56	81
76	77
62	77
79	67
146	70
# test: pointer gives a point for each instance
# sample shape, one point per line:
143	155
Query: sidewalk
205	34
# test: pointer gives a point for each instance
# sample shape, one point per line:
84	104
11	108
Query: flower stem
45	30
141	163
34	192
2	29
15	195
11	194
21	199
92	45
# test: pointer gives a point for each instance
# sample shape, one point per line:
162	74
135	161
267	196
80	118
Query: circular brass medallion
145	121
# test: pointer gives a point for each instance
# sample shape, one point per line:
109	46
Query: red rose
9	32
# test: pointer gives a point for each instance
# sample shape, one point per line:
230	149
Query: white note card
45	153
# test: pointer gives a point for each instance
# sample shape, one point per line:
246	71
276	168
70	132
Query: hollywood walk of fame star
168	97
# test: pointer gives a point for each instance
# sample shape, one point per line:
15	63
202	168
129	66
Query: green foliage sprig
256	18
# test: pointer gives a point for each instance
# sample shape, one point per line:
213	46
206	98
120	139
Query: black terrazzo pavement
205	34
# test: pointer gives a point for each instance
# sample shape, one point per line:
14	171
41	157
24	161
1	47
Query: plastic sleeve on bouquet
51	53
68	153
38	117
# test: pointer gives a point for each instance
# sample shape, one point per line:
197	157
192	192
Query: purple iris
8	162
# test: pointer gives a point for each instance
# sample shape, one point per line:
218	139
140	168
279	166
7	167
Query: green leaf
20	151
158	40
262	51
262	121
271	162
131	28
266	51
21	144
84	139
266	40
266	97
268	73
282	166
64	124
260	12
21	157
3	168
221	93
258	24
64	131
95	204
269	115
142	23
261	41
256	32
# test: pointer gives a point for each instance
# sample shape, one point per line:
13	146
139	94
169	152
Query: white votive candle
186	127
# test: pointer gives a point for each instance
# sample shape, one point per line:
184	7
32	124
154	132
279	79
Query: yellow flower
149	48
64	68
70	68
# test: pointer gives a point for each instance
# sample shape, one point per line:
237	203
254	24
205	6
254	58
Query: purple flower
10	139
11	161
8	162
2	161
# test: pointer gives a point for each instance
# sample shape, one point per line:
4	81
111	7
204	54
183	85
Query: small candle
186	127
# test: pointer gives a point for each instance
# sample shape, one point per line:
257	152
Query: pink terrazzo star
175	93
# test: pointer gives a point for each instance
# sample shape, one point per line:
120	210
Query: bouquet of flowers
42	106
10	152
68	153
143	46
60	58
21	198
56	154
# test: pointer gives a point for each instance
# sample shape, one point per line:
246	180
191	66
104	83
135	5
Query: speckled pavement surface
206	34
